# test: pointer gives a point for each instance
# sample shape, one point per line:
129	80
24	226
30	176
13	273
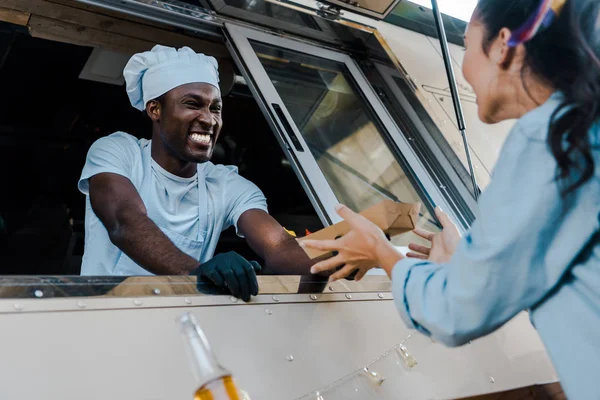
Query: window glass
340	131
425	85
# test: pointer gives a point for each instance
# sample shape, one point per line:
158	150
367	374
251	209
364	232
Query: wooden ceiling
72	22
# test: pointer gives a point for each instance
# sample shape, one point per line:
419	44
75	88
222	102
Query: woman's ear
500	52
153	109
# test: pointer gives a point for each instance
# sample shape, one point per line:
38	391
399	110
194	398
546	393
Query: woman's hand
363	248
443	244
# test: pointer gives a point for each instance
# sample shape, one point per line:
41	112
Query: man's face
190	121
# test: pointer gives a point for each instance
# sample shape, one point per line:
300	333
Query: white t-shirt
177	208
192	212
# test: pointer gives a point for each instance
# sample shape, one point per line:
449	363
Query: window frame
305	165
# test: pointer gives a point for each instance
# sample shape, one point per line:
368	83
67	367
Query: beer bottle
214	381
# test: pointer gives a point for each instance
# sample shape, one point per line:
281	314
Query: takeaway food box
392	217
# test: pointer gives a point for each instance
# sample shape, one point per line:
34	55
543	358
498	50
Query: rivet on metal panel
156	291
492	380
81	304
268	311
375	377
290	358
330	289
276	299
137	302
380	295
348	296
187	301
233	299
18	307
38	293
313	297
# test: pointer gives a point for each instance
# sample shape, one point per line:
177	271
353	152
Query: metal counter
100	338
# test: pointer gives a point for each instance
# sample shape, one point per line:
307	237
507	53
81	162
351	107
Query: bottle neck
205	366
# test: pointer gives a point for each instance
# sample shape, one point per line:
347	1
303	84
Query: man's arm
120	208
269	240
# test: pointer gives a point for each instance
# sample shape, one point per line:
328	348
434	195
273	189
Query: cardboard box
393	218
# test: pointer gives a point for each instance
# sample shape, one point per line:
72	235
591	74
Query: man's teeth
200	138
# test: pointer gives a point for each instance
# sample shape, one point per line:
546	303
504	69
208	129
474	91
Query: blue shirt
528	249
191	212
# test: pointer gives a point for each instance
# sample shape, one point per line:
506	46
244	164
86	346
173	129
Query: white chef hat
153	73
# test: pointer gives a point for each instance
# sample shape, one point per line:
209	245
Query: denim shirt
529	248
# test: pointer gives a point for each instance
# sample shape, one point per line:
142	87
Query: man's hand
443	244
362	249
272	243
231	271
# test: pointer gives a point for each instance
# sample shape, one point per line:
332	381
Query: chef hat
153	73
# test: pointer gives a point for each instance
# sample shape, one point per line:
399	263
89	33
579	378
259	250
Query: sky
461	9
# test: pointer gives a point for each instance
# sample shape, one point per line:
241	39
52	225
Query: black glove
231	271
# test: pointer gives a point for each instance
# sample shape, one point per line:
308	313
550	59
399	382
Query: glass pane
134	286
340	131
483	154
425	85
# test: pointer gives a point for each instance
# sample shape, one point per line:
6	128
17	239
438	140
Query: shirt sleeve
114	153
518	250
242	195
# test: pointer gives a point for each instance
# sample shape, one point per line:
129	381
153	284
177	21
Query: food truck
325	102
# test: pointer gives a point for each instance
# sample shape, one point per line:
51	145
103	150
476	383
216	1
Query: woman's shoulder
535	124
527	140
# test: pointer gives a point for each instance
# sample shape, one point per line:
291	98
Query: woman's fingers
361	274
327	265
356	221
342	273
416	255
424	234
443	218
419	249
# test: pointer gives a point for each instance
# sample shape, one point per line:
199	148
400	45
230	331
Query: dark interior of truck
49	117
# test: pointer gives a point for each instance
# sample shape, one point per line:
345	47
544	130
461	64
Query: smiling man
159	206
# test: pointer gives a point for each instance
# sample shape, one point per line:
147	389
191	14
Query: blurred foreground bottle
214	381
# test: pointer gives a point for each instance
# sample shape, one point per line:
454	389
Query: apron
192	247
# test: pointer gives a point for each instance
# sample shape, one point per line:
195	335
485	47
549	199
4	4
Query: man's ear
500	52
153	109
